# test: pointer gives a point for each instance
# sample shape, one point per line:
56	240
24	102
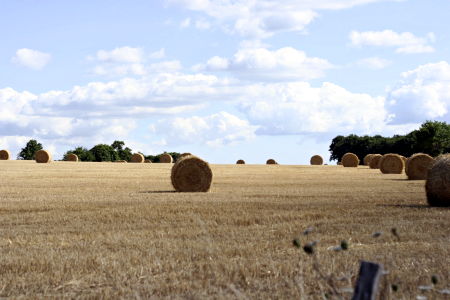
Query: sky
222	79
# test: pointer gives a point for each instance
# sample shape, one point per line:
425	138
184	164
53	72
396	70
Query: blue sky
219	78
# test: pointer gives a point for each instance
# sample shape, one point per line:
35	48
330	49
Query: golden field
111	230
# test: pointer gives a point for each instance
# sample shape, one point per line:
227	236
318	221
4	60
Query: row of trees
432	138
101	152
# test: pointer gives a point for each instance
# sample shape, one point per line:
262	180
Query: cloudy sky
224	79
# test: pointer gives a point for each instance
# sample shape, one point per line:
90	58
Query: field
111	230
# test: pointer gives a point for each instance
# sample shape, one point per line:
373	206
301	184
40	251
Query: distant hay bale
120	161
166	158
72	157
185	154
391	164
147	161
417	166
339	163
350	160
375	161
367	159
43	157
316	160
191	174
240	162
437	185
137	158
271	162
5	155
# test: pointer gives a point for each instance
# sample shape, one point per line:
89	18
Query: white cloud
421	94
121	55
185	23
32	59
261	19
405	42
374	63
214	130
262	64
161	53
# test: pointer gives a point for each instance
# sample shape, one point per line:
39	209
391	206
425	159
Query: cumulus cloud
32	59
261	19
405	42
421	94
121	55
374	63
214	130
263	64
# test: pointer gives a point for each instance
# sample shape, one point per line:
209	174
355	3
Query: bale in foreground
375	161
137	158
350	160
438	182
166	158
417	166
271	161
5	155
43	157
316	160
72	157
191	174
391	164
240	162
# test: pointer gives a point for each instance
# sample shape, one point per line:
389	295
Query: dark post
367	284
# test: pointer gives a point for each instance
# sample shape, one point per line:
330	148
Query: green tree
123	153
103	152
82	153
30	149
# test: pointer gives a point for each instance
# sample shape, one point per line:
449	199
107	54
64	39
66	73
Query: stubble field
111	230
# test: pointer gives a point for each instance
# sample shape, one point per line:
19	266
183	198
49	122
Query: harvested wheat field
104	230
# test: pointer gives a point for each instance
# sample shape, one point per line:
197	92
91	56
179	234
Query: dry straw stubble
350	160
417	166
43	157
240	162
191	174
137	158
391	164
375	161
166	158
316	160
5	155
438	182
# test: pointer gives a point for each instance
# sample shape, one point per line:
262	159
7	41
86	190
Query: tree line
432	138
101	152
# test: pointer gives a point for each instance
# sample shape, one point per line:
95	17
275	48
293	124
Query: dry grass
118	231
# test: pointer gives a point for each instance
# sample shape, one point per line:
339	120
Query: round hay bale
391	164
375	161
5	155
437	185
350	160
185	154
417	166
166	158
191	174
404	159
147	161
43	157
120	161
72	157
339	163
137	158
316	160
240	162
367	159
271	161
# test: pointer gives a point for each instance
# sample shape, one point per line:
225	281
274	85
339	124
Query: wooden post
367	284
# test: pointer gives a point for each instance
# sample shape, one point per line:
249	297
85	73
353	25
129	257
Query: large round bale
72	157
437	185
417	166
375	161
191	174
240	162
391	164
271	161
185	154
367	159
147	161
316	160
166	158
5	155
43	157
137	158
350	160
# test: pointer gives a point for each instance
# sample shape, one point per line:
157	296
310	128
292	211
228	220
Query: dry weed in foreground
99	230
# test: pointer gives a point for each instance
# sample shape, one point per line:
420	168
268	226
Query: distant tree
30	149
123	153
103	152
155	158
82	153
